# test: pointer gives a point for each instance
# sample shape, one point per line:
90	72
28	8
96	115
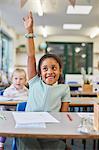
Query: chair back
1	92
21	106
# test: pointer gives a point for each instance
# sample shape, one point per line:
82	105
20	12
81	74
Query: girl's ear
60	71
39	74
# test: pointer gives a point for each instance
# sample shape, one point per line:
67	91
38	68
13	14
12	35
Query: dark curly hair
60	80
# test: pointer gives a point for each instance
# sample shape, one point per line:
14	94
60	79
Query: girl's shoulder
35	80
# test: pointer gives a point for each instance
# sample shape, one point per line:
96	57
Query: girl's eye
53	68
45	68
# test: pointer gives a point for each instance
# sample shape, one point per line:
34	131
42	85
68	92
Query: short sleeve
33	80
66	96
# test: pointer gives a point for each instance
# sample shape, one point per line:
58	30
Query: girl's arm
64	107
31	64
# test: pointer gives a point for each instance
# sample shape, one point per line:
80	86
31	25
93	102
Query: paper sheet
31	125
3	98
33	118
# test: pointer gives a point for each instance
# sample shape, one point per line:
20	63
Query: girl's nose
50	71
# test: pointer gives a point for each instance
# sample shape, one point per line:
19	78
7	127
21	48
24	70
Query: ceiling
53	18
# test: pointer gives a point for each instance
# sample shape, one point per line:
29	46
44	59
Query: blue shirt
43	97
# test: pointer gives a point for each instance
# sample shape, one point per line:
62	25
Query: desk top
12	102
75	101
83	101
64	129
85	94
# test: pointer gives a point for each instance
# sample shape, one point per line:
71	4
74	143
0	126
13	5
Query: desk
83	101
82	104
83	94
11	103
65	129
75	102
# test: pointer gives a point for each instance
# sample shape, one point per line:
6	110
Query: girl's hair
18	70
60	80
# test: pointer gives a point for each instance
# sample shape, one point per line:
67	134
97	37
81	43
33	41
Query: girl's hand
28	22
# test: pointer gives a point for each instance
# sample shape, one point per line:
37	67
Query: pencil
69	117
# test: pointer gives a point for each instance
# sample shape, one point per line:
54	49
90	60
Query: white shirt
11	91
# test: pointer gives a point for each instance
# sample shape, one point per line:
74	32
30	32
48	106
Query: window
4	51
73	55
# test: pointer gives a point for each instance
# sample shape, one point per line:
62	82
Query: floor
77	145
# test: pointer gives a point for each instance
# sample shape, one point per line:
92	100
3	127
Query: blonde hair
18	70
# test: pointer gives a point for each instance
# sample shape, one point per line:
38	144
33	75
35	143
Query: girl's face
18	80
50	71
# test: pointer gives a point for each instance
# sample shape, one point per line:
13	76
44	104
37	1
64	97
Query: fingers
28	16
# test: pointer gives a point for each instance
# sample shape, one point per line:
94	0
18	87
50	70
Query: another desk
76	102
65	129
83	101
83	94
83	104
10	103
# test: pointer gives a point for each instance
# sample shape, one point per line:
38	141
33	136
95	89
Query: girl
45	91
16	90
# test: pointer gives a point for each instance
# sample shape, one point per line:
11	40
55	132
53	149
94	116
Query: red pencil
69	117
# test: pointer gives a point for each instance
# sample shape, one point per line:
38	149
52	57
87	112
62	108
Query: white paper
31	125
3	98
29	118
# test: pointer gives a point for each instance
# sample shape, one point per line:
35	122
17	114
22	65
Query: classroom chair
20	107
1	92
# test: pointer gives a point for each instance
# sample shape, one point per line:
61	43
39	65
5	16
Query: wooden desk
10	103
65	129
83	94
83	101
75	102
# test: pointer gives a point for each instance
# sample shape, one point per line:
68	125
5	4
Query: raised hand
28	22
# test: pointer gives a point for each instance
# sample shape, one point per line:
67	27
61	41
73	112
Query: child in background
46	93
17	90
